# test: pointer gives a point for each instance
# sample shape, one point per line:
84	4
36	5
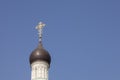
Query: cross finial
40	25
39	28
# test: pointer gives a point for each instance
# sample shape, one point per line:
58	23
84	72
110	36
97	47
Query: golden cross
40	26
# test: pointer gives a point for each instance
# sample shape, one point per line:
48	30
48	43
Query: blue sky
82	36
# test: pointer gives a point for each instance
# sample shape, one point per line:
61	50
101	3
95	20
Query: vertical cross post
39	28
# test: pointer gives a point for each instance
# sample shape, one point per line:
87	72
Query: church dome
40	54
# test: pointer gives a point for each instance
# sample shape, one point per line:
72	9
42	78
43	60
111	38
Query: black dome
40	54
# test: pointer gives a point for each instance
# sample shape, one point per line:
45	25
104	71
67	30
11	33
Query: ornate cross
39	28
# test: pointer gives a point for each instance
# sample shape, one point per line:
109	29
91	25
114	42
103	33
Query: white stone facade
39	70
